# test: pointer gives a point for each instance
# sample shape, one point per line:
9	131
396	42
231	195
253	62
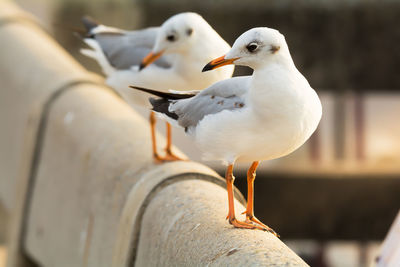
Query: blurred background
333	200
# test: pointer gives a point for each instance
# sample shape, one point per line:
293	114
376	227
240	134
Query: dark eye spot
171	38
251	47
274	48
189	31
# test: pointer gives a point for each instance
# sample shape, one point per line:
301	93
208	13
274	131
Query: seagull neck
204	47
186	64
271	80
278	67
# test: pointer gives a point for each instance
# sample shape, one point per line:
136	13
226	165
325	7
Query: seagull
251	118
178	49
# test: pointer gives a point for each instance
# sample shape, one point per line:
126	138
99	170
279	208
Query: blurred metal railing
78	179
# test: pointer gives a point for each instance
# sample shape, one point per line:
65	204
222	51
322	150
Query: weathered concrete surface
142	192
190	230
32	68
23	92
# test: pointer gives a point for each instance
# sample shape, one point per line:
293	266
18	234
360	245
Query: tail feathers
168	96
94	28
97	53
161	105
89	23
88	52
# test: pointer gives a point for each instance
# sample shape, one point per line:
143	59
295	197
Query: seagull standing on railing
179	49
248	119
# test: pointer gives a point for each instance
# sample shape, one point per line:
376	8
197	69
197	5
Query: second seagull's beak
150	58
218	62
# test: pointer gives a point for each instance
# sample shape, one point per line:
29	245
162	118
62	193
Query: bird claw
171	156
245	225
252	219
167	158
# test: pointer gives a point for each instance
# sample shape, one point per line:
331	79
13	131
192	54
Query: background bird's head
179	35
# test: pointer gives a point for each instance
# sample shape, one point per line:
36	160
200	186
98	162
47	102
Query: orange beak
150	58
218	62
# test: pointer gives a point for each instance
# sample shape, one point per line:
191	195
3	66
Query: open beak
218	62
150	58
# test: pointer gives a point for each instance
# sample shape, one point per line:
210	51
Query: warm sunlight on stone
3	254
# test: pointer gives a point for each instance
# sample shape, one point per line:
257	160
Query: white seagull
260	117
179	49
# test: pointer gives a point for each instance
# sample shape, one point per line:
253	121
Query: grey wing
228	94
125	49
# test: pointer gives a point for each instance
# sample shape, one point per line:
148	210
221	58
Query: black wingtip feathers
89	23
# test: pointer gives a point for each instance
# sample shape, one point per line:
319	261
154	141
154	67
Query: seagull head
177	35
254	48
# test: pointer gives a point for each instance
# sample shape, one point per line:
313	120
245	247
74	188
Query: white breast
275	123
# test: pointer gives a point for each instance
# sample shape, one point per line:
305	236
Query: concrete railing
78	180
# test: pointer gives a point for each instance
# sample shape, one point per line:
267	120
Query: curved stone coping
141	195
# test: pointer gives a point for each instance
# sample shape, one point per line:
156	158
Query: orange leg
251	176
169	156
153	121
231	214
168	149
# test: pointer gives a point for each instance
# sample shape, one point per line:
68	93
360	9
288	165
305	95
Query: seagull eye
171	38
189	31
251	47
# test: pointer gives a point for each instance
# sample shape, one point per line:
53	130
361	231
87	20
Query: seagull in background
169	56
247	119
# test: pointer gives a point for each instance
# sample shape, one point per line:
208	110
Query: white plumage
260	117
